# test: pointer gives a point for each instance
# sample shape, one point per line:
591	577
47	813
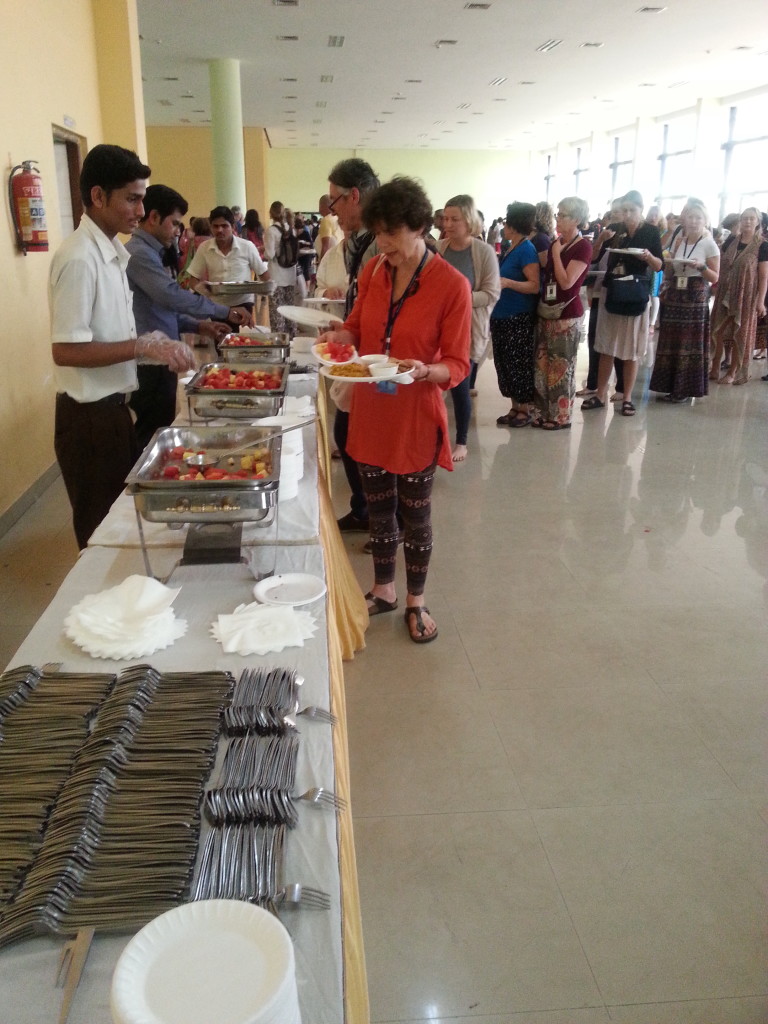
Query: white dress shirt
90	300
211	264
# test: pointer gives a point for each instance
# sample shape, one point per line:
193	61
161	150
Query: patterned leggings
411	495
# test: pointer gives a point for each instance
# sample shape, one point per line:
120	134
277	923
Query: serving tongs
213	460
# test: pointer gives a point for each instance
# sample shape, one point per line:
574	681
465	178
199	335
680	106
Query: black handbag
628	295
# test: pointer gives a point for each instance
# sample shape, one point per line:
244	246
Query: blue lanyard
395	307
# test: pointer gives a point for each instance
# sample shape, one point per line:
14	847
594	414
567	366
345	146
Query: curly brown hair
401	202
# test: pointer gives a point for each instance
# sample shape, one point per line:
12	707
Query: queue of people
435	305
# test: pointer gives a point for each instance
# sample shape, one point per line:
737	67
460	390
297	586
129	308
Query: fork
320	714
319	795
295	894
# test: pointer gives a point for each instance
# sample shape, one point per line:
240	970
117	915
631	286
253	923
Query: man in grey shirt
161	304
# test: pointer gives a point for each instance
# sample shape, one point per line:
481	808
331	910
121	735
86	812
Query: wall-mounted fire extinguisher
25	194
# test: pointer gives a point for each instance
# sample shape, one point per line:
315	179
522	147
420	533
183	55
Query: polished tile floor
559	805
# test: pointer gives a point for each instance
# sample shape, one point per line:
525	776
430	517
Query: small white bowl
302	343
383	369
374	360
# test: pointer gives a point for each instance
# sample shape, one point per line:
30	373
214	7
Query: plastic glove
156	347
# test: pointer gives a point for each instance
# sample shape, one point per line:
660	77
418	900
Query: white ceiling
649	64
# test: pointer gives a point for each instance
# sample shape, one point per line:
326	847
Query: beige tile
602	745
420	754
462	911
574	1016
716	1011
665	898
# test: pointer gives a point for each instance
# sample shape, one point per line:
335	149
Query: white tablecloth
27	970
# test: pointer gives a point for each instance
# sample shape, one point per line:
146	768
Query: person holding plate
417	309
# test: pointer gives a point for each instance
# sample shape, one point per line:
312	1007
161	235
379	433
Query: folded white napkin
131	620
262	629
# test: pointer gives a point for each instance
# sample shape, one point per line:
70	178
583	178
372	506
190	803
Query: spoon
211	460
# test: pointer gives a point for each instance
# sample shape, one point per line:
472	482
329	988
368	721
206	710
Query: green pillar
227	133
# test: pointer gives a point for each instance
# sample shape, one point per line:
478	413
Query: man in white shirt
329	232
226	257
94	340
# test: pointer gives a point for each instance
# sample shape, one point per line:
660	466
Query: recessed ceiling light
288	39
464	106
336	41
591	46
526	83
321	103
497	81
550	44
326	78
289	79
650	10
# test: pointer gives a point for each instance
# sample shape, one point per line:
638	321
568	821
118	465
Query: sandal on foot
506	419
593	403
627	409
377	605
420	635
586	392
554	425
522	419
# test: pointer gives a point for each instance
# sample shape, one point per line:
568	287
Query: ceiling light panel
336	41
548	46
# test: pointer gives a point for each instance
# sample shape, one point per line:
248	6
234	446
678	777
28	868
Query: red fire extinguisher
25	194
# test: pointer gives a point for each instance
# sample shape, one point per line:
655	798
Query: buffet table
320	851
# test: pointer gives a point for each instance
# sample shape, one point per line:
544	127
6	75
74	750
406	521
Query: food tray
210	404
203	501
256	348
231	289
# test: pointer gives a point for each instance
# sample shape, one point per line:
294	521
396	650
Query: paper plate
291	588
321	301
628	252
307	317
216	960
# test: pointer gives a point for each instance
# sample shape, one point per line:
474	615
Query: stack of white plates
291	453
216	960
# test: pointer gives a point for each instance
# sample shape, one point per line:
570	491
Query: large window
622	165
745	156
676	163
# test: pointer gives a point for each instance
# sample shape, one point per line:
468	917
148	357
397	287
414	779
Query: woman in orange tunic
413	306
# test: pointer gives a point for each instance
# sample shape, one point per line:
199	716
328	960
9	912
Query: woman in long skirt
681	368
513	319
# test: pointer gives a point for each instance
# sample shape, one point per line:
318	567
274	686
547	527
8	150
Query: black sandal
554	425
593	403
378	606
423	637
627	409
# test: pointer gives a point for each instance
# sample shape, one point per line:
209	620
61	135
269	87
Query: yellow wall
181	158
33	100
119	69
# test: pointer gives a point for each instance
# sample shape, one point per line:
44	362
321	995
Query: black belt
117	398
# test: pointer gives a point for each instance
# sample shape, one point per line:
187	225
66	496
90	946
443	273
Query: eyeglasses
332	202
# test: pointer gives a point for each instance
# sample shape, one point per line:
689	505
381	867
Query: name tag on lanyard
682	283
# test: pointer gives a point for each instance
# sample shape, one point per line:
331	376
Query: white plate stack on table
291	455
215	960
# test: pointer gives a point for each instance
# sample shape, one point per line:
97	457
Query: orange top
400	432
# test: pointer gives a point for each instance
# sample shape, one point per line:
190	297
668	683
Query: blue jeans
462	405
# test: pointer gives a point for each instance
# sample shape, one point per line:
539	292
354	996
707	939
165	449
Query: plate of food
374	372
307	317
628	252
334	353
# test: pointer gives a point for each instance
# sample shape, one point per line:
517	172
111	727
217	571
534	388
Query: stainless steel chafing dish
161	500
255	347
210	404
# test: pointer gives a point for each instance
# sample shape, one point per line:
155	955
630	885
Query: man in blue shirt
161	304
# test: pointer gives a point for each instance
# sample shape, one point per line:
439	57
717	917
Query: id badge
386	387
682	283
551	292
